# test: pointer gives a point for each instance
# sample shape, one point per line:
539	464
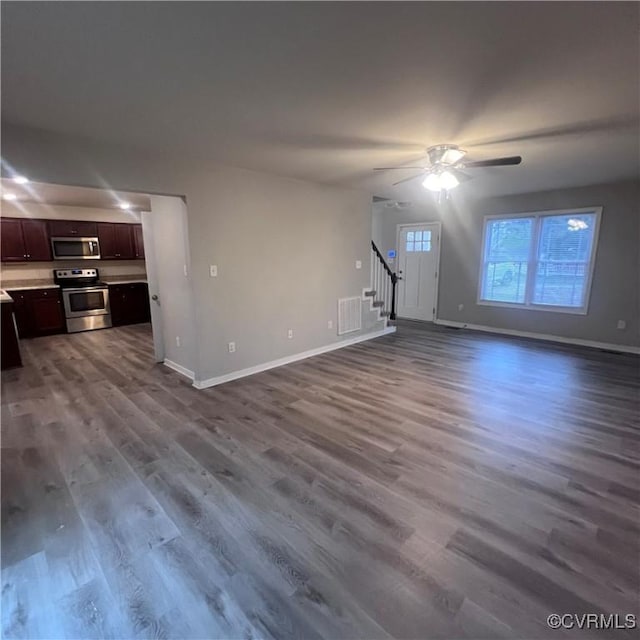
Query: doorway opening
76	259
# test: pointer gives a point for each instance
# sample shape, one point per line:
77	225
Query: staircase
382	294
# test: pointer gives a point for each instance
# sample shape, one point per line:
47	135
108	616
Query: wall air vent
349	315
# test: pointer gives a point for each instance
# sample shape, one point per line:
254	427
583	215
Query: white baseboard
242	373
179	368
622	348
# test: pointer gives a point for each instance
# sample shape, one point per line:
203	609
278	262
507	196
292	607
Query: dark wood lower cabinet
38	312
129	303
9	348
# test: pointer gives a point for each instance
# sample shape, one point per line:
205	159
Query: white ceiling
327	91
55	194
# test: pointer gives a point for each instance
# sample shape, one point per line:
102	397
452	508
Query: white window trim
527	305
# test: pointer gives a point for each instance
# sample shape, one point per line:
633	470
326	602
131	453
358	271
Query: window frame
532	262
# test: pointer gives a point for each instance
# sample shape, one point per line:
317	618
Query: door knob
154	297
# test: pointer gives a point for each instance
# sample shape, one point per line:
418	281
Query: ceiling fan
444	171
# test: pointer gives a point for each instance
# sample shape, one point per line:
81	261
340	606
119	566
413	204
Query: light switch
358	264
213	270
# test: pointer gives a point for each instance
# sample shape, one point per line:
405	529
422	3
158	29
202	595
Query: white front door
418	257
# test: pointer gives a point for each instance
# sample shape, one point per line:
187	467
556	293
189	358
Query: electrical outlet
358	264
177	341
186	273
330	324
232	347
290	334
460	307
622	324
213	270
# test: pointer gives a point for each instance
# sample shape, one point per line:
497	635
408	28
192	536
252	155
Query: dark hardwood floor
428	484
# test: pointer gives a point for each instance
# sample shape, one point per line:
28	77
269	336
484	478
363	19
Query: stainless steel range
85	299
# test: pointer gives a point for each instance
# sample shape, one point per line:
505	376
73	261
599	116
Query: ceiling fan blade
495	162
419	175
601	126
394	168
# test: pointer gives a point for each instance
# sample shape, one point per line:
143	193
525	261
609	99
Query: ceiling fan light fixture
448	180
441	181
432	182
445	154
453	155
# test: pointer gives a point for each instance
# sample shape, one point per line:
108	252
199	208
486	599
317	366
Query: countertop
125	279
16	285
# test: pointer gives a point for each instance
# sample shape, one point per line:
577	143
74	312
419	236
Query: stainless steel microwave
75	248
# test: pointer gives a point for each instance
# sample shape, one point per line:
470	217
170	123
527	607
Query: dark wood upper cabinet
124	241
12	241
107	240
138	243
70	228
25	240
116	241
36	240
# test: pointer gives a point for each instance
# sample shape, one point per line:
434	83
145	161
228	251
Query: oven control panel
75	273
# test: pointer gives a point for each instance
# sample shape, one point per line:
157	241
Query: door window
418	241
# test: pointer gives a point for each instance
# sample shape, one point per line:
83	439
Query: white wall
285	249
44	270
615	294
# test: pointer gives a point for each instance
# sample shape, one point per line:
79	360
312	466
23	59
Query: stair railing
383	282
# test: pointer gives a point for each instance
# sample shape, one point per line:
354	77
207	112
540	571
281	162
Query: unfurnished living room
320	320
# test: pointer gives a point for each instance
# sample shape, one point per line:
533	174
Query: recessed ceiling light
21	179
125	205
9	196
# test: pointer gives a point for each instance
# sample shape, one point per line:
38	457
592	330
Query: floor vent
349	315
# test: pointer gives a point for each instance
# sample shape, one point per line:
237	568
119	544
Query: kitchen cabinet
9	347
12	241
129	303
69	228
138	243
38	312
116	241
24	240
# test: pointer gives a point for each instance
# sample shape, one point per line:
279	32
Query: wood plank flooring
428	484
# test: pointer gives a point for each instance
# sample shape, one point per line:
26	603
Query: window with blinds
542	260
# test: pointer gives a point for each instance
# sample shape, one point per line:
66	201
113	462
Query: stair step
370	294
378	303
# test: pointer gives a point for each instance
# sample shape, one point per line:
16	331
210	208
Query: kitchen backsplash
44	270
